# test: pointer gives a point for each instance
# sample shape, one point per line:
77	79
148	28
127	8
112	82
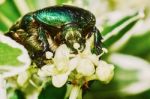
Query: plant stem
75	92
69	89
80	94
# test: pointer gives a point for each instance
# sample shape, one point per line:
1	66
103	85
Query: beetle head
73	38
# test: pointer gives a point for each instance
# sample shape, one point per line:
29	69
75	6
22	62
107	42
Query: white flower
85	63
104	71
59	70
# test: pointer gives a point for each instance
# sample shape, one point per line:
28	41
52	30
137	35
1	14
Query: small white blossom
105	72
59	70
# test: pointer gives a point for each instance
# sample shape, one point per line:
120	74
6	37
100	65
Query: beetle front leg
97	49
43	39
39	56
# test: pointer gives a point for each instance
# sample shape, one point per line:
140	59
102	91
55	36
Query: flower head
76	67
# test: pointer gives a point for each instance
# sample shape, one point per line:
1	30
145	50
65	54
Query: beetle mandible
45	29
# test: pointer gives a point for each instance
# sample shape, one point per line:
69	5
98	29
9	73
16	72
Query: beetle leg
43	39
40	55
97	41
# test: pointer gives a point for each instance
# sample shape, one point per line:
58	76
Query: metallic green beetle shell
59	16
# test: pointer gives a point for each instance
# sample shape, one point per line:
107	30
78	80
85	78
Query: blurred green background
125	26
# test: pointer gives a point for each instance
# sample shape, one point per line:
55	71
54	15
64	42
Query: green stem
69	88
76	92
80	94
93	77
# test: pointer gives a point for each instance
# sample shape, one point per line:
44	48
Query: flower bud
105	72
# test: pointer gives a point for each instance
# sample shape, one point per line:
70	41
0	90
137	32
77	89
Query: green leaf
60	2
121	33
8	55
139	96
138	45
51	92
32	4
9	9
15	94
121	30
3	27
109	28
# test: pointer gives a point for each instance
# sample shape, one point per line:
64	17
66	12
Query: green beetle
44	30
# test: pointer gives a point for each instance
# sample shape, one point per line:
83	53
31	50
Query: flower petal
85	67
62	52
61	57
47	70
93	58
73	63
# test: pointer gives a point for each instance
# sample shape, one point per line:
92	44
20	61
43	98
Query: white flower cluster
78	68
